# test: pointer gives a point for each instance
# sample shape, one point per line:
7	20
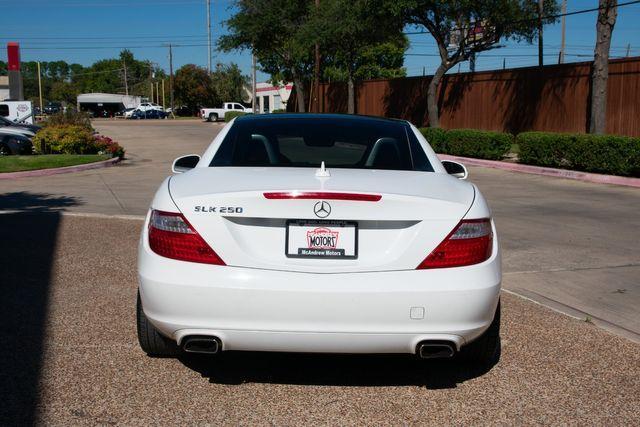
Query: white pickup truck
214	114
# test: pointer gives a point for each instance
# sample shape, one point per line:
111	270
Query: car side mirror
185	163
456	169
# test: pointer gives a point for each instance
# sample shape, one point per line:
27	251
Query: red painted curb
57	171
537	170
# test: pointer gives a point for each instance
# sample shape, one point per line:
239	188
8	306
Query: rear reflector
471	242
171	236
357	197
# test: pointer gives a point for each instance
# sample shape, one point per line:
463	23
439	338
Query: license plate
321	239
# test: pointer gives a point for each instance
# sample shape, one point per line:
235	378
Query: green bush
74	140
435	137
230	115
70	118
480	144
610	154
70	139
279	111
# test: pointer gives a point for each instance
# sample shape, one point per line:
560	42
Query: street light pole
564	28
253	83
40	88
209	34
540	48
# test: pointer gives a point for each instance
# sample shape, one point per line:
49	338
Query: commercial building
111	103
4	88
270	97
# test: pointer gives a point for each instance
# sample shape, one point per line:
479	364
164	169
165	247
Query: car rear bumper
269	310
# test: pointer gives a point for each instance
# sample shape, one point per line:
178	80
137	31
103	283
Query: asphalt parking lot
70	354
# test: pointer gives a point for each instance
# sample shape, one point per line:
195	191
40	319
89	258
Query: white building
4	88
272	97
110	102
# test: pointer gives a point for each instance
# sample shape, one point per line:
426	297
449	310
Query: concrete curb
537	170
57	171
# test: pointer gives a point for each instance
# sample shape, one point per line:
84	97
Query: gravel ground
71	300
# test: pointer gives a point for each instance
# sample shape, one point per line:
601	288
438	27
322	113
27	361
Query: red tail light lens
471	242
171	236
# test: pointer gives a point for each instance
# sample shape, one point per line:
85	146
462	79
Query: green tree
229	82
462	28
354	36
275	31
193	87
607	16
65	92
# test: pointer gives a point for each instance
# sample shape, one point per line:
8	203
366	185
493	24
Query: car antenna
322	172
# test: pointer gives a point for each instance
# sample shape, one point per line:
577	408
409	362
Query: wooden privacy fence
555	98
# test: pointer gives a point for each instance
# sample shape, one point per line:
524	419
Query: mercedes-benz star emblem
322	209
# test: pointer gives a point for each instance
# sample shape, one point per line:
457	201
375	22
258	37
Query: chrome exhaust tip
435	350
202	344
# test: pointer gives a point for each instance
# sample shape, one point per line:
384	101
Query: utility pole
540	48
253	84
40	88
562	40
171	81
209	34
126	83
316	74
151	98
158	92
628	49
164	107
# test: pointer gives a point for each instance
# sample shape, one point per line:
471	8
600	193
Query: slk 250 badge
219	209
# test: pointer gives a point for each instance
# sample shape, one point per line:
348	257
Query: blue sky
85	31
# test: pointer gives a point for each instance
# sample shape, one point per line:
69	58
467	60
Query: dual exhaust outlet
211	345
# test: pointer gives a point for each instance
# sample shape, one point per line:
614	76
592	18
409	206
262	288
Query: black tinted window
4	110
306	142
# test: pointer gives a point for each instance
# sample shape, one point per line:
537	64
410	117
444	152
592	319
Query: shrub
279	111
618	155
106	145
70	118
74	140
230	115
435	137
56	139
480	144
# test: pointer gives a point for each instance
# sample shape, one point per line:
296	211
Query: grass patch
47	161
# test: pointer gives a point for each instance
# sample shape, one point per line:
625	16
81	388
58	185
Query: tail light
171	236
471	242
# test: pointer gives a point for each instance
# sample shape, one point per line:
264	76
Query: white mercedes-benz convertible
319	233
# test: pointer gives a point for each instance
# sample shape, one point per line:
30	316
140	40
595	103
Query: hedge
609	154
230	115
73	139
469	142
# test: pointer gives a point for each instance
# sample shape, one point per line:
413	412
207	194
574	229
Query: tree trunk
351	101
600	71
432	91
299	94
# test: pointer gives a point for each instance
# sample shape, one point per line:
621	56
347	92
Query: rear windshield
306	142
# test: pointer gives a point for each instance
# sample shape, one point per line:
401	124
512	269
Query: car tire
151	341
213	117
4	150
485	350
